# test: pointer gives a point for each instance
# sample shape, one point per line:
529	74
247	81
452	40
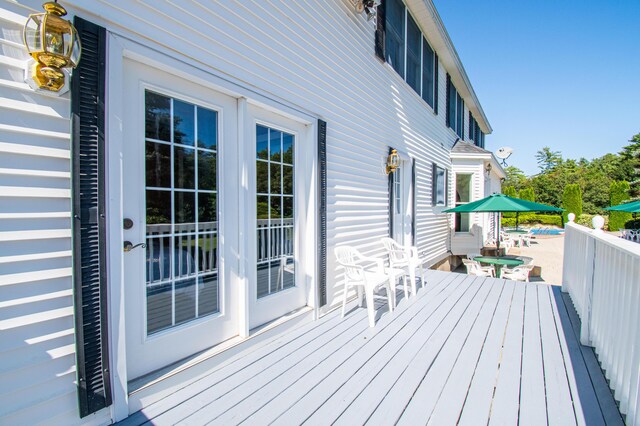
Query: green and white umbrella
500	203
632	207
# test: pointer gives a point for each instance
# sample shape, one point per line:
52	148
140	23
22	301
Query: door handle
128	246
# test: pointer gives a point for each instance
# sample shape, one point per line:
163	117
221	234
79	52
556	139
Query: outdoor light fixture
54	45
488	169
369	7
393	161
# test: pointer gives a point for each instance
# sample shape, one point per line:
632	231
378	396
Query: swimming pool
543	231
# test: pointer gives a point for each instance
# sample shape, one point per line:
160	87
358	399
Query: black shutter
471	134
435	78
447	101
380	30
434	187
89	254
446	187
322	226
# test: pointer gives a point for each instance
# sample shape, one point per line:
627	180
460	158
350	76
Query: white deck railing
602	275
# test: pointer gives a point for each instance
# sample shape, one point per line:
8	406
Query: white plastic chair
406	258
474	268
519	273
489	268
364	280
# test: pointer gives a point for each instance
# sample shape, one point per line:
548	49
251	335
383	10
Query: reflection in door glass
181	212
275	211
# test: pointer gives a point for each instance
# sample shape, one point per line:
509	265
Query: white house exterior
476	174
217	119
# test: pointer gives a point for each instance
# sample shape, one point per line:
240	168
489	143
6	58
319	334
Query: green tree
630	156
547	159
527	194
515	177
619	194
572	200
511	192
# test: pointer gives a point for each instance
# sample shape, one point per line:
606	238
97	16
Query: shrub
542	219
585	220
619	193
572	200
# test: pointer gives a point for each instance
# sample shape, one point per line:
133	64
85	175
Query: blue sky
564	74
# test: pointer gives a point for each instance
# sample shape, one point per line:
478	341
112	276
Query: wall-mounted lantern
487	169
367	6
393	161
54	45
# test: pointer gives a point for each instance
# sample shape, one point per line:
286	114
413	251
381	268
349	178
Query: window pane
207	252
158	207
275	145
184	256
185	300
158	165
262	177
207	170
440	187
463	222
452	101
158	258
184	209
394	35
275	177
208	295
159	303
157	116
428	67
287	149
262	142
184	168
207	212
183	122
287	180
207	128
414	38
463	188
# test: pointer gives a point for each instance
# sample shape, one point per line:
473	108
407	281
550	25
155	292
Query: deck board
467	350
560	409
477	403
533	405
441	356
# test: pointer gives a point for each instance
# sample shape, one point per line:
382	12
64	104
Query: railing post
567	276
585	315
585	330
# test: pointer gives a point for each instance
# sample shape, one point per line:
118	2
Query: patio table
499	262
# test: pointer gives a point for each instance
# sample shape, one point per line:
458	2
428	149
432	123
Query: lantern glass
57	36
76	48
32	34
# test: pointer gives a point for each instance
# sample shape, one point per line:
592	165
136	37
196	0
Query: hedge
619	193
572	200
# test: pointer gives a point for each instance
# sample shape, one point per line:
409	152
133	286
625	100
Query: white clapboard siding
314	56
37	349
318	57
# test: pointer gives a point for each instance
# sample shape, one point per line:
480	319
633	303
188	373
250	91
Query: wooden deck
467	350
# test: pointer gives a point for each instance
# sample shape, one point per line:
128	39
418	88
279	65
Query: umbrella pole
517	216
498	234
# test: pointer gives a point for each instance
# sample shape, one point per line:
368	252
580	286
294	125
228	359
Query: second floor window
408	51
455	109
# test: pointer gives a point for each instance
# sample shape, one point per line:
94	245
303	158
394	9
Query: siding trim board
89	231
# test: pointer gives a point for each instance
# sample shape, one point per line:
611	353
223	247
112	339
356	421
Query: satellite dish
504	153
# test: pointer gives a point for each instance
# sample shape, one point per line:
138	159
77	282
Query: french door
218	224
278	204
180	201
402	202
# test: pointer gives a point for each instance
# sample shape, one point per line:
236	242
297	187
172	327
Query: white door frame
119	47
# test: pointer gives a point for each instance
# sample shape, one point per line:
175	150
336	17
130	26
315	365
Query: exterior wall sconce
54	45
487	169
393	161
367	6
